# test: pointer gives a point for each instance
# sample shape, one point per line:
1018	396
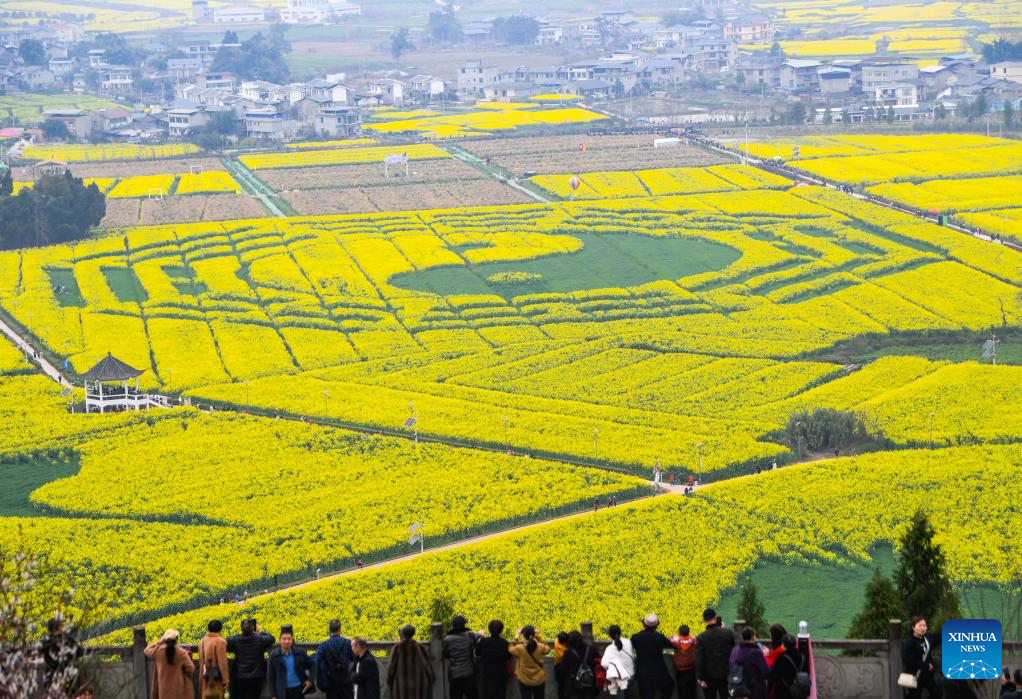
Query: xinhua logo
971	649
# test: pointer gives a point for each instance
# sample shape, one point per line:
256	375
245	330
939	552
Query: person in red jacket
685	662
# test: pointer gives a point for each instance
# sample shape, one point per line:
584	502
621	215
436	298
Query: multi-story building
880	72
747	30
799	76
473	76
338	121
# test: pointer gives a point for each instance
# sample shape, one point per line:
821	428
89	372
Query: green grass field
610	260
21	478
125	285
68	293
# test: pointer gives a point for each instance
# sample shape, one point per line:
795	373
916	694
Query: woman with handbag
917	664
619	661
213	675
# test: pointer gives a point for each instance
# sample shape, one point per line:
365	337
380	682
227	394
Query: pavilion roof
110	368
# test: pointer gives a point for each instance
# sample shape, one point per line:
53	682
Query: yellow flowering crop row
488	117
209	182
660	182
804	515
344	156
118	151
341	143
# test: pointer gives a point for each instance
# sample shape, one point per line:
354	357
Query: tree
940	112
57	209
55	130
1002	50
443	26
750	609
32	52
828	117
828	429
212	134
1008	114
880	606
258	58
441	611
796	113
400	43
979	107
517	29
846	117
230	37
921	576
676	17
6	183
890	115
776	52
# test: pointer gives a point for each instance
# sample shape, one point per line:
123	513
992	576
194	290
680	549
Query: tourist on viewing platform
917	659
650	670
777	634
618	661
529	649
685	662
713	652
494	660
560	647
409	674
750	658
334	658
1011	689
366	675
289	669
249	650
459	649
172	677
786	673
576	672
213	671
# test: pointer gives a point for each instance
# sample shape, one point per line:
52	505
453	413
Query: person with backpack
459	649
494	662
685	663
650	668
334	659
213	671
249	650
529	650
789	675
577	670
618	661
748	666
713	652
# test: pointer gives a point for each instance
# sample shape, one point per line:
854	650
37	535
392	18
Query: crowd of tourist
715	664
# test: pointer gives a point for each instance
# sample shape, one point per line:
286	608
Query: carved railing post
436	656
894	656
139	674
587	632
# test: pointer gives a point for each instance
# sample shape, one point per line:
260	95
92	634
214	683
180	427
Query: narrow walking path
35	356
414	554
479	164
252	185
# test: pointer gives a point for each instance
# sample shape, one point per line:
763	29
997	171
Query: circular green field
607	260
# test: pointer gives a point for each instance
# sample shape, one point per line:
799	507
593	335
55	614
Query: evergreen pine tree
6	183
921	577
750	609
880	606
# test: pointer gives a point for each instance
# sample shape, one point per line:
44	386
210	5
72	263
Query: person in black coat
786	667
367	673
289	670
249	648
713	656
917	659
493	662
650	669
577	655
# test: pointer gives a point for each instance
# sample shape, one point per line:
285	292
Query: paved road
283	589
40	360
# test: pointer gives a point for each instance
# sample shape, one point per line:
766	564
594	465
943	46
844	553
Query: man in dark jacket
460	653
367	673
249	660
289	671
713	654
650	669
334	659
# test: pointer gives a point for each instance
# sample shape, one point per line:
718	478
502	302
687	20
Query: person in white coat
618	661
